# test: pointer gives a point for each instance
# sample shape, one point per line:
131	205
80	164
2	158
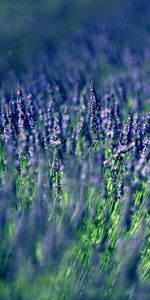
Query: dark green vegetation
75	153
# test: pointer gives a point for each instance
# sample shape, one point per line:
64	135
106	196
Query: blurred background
27	27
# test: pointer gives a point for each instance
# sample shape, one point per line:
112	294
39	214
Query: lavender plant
75	174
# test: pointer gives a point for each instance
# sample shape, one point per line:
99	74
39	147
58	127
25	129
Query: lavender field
75	150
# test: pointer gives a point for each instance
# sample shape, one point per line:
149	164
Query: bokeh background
28	27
